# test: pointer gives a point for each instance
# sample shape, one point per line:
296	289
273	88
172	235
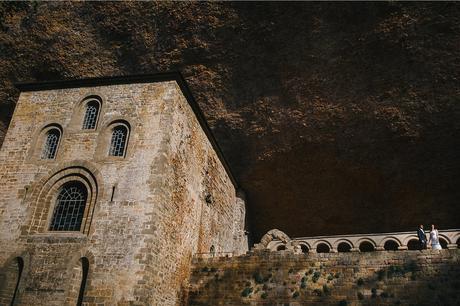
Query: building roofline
133	79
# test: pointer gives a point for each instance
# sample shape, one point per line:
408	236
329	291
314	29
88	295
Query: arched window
343	247
391	245
304	248
51	143
118	141
281	247
366	246
322	248
91	113
70	207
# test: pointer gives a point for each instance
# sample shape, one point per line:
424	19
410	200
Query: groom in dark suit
421	237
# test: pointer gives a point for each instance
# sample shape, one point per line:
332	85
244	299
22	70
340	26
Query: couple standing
434	238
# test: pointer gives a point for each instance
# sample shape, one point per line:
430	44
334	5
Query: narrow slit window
70	207
90	120
51	144
118	141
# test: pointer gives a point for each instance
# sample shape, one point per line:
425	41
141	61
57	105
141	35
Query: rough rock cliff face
336	117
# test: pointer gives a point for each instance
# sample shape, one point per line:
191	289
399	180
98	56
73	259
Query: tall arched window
51	143
70	207
91	113
118	141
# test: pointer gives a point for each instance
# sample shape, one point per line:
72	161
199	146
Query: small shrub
316	276
337	275
303	285
360	296
330	277
264	295
258	278
246	292
310	271
303	280
318	292
360	282
296	294
343	303
326	290
291	270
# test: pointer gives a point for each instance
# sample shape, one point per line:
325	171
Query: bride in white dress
434	239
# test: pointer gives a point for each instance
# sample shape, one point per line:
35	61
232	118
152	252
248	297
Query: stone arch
322	246
366	245
271	235
343	246
39	139
390	243
446	238
105	138
304	247
413	244
46	189
409	238
281	247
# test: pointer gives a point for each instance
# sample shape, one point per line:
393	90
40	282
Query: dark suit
421	238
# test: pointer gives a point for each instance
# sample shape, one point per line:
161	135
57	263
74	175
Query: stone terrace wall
283	278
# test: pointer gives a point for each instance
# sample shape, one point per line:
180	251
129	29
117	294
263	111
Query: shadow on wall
341	279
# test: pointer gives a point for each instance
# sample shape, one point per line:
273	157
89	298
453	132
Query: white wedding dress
434	237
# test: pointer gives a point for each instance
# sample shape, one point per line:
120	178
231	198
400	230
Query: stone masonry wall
283	278
148	212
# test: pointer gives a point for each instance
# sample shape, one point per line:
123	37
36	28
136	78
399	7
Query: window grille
70	207
118	142
92	109
51	144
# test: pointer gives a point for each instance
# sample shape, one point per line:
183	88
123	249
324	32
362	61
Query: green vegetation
337	275
264	295
258	277
316	276
330	277
296	294
246	292
291	270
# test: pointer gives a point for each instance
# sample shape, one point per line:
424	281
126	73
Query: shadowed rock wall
281	278
336	117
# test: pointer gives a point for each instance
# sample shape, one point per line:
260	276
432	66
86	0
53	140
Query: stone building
108	187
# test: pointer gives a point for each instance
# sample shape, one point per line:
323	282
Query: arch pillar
452	246
402	248
380	248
